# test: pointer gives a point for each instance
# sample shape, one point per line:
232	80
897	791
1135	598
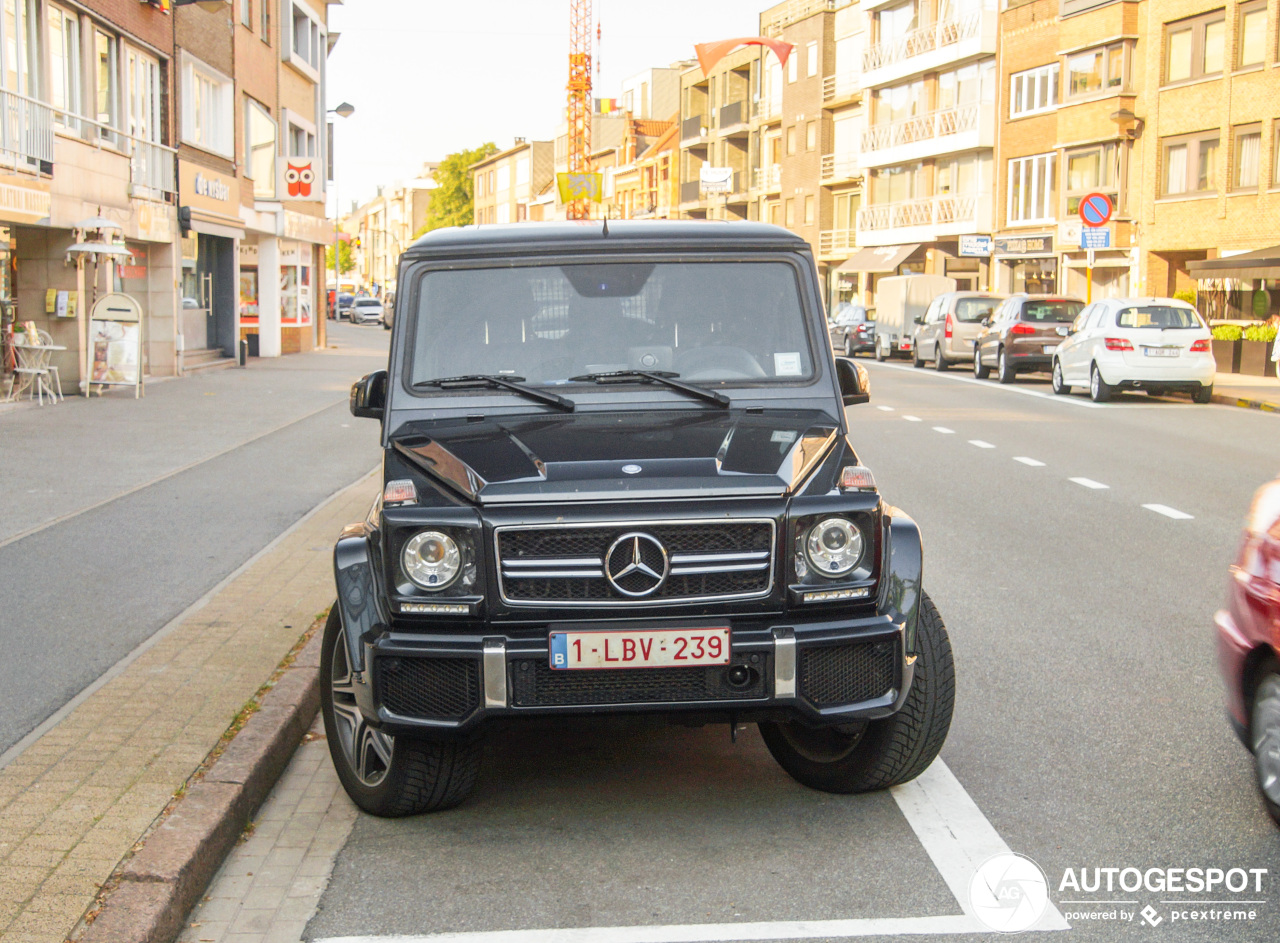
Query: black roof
622	233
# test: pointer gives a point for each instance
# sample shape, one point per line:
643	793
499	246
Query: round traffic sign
1096	209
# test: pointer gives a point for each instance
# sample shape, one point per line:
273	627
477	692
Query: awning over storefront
878	259
1261	263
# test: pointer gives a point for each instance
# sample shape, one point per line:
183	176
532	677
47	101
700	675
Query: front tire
848	346
1099	389
877	754
1059	385
940	363
1264	737
915	357
1005	371
384	775
1203	395
980	369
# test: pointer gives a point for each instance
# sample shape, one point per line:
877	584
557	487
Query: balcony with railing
779	17
733	118
837	168
767	110
693	131
26	132
841	88
924	219
936	132
151	169
690	192
768	178
931	47
837	243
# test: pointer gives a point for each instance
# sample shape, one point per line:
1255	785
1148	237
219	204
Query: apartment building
648	187
386	226
505	184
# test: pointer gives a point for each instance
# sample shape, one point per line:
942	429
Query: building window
846	210
775	213
264	20
793	67
897	102
1247	149
1031	189
1275	157
19	48
811	58
808	210
64	66
207	113
959	175
246	12
306	41
811	135
144	92
504	178
896	184
1095	70
1253	34
1033	91
302	141
1195	47
791	140
791	214
1191	164
1090	170
522	172
260	143
106	53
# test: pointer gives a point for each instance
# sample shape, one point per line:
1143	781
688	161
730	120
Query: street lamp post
345	110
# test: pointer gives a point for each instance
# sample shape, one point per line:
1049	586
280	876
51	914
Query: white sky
428	77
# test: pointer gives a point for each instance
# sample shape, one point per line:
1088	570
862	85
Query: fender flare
902	568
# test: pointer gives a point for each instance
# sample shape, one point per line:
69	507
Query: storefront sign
150	221
24	200
975	246
305	228
299	179
248	253
210	192
1095	238
1024	245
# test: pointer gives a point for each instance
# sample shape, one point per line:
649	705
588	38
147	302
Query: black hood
596	456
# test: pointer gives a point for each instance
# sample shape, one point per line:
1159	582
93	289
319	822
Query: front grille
845	674
567	565
444	688
535	684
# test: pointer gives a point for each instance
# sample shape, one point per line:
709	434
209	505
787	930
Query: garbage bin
253	344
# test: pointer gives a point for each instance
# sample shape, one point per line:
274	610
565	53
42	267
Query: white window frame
1024	167
219	138
293	119
1191	165
307	61
72	73
811	58
246	13
1025	88
262	189
143	115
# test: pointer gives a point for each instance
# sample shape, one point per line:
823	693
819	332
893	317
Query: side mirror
986	322
855	382
919	319
369	396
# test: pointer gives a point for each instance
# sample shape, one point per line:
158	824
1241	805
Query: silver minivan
946	331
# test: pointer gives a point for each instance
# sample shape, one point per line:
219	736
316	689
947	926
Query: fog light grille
846	674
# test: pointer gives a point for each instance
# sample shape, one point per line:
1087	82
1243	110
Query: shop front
210	306
1026	263
22	200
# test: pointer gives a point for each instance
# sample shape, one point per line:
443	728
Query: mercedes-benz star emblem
631	469
636	564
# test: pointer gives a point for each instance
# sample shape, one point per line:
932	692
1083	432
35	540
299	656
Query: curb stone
1246	403
162	883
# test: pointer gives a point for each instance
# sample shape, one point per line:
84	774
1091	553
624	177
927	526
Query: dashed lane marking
912	418
1001	387
944	430
885	409
979	443
1090	483
1028	461
1169	512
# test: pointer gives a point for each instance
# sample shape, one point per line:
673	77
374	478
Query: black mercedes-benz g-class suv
617	478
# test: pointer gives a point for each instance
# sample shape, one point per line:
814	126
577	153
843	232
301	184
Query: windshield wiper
665	377
497	382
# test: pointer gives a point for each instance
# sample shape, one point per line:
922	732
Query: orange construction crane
579	88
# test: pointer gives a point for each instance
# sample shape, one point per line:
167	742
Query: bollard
244	352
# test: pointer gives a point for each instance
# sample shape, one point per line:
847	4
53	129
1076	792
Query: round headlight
834	546
431	559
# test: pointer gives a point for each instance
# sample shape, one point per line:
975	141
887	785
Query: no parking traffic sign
1096	209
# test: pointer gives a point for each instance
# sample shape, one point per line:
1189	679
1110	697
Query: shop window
1031	183
1089	170
1033	91
64	67
1246	150
248	294
1190	164
1195	47
207	112
1253	34
260	138
1096	70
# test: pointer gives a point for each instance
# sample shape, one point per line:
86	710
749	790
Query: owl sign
299	178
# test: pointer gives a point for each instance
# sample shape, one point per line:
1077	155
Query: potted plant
1255	350
1226	347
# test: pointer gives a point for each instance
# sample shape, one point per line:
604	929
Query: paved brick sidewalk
75	802
270	885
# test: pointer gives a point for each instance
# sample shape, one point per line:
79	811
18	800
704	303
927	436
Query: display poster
116	346
249	295
289	295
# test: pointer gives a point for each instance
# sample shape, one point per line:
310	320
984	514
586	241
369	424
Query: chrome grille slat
724	568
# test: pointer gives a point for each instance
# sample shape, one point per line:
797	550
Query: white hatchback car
1155	344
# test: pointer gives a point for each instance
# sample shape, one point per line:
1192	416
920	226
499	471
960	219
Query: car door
1069	350
925	342
987	340
1088	341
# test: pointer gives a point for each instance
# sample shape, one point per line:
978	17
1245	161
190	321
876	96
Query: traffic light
355	243
184	218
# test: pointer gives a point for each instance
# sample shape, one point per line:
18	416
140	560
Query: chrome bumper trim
784	663
495	673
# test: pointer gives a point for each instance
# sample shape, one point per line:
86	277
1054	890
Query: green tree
346	259
452	200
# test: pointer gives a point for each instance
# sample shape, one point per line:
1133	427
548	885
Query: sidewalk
1234	389
76	801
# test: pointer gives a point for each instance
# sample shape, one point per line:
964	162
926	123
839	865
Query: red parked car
1249	641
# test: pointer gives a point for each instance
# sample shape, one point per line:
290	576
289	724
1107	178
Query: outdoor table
32	375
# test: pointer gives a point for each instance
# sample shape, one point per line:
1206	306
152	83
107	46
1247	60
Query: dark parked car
1023	334
345	300
618	479
853	330
1249	642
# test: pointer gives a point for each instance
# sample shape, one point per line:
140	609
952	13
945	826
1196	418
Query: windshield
733	322
975	309
368	303
1064	311
1157	316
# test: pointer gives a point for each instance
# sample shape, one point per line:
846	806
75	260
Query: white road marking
1001	387
912	418
1028	461
885	409
954	832
944	430
1169	512
981	444
1090	483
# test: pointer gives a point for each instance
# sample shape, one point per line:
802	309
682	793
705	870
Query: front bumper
821	666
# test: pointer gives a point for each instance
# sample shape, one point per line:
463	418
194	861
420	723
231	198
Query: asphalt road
1089	730
136	509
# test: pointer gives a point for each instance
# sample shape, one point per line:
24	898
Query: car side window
1082	319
